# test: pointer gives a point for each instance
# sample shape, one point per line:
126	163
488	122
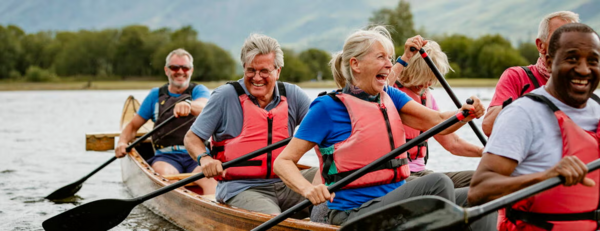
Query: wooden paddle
436	213
446	86
360	172
108	213
71	189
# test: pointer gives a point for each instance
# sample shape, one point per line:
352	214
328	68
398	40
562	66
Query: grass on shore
130	85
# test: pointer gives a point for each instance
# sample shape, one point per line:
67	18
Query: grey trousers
272	198
459	179
432	184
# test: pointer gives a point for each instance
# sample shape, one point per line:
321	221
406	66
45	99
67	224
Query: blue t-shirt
328	122
149	108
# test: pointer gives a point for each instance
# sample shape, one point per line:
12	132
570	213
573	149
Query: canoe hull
191	211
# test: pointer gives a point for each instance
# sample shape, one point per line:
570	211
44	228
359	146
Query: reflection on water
43	148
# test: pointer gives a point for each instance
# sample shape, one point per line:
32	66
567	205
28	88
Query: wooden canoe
187	207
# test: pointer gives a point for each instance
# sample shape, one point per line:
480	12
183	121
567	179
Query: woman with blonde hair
415	80
358	124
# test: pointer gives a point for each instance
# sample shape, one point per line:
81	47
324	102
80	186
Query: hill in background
296	24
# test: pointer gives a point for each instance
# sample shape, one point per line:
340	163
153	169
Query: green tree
89	53
399	20
495	58
294	69
37	51
529	52
132	58
456	48
317	62
10	50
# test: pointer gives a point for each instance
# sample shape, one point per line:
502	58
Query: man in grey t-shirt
223	120
526	146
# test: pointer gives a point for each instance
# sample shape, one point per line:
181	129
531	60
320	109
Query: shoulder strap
281	88
596	98
190	89
536	84
333	95
399	84
164	90
238	88
542	99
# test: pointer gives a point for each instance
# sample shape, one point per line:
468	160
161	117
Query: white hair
357	45
544	28
179	52
257	44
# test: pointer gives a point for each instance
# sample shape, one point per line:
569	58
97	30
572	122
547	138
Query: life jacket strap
541	219
419	146
392	164
216	149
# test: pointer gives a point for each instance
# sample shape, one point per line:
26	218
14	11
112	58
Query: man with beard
551	132
516	81
181	98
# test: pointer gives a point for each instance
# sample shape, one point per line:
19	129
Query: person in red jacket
551	132
516	81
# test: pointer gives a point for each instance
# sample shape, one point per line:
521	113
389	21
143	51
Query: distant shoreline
140	85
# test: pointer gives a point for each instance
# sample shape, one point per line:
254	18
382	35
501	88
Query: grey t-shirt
527	131
222	118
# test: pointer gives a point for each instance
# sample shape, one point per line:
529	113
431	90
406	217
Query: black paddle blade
96	215
65	191
419	213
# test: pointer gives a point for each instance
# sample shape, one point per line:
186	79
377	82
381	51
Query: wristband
188	101
200	157
399	60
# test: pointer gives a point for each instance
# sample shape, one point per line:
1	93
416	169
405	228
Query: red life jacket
373	126
422	149
561	208
260	128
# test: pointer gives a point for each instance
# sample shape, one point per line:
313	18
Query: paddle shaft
478	211
446	86
128	149
226	165
357	174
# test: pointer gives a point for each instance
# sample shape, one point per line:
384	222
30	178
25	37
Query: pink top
419	164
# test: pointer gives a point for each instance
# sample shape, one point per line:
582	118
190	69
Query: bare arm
422	118
184	108
492	178
285	168
128	134
198	105
457	146
488	120
195	146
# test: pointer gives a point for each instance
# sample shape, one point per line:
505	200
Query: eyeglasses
177	67
250	72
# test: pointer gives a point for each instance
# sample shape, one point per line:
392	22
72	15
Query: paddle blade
64	192
96	215
419	213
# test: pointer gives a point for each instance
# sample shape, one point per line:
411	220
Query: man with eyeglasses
246	115
181	98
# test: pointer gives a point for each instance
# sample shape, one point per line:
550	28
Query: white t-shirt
527	131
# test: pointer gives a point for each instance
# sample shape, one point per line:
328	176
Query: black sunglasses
177	67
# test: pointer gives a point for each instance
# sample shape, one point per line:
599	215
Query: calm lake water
42	135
